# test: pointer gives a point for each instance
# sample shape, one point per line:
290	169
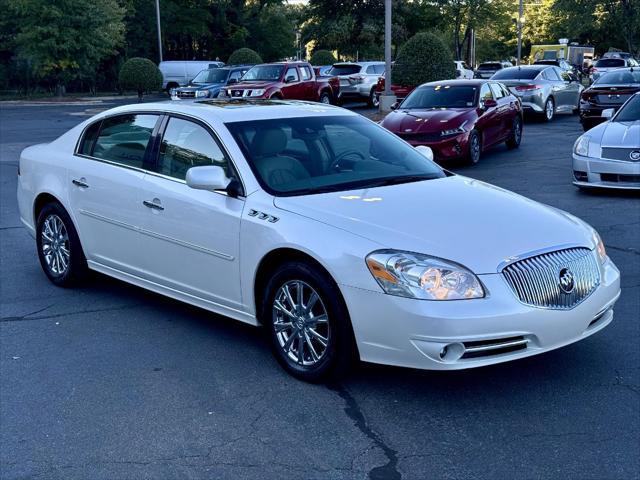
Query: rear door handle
154	205
80	183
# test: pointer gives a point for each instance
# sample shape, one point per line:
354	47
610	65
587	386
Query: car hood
406	121
251	85
618	134
201	86
456	218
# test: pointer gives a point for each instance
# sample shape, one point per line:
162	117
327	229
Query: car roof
361	64
539	67
458	82
235	110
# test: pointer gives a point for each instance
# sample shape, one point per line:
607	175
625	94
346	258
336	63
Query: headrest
268	142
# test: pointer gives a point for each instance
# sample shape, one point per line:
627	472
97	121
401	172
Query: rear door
106	178
191	237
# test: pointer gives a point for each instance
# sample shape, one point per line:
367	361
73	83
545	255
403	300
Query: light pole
388	98
520	19
159	33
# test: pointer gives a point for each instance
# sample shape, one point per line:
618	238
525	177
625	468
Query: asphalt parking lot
110	381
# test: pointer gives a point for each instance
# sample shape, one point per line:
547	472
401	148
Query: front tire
474	148
308	323
516	134
59	249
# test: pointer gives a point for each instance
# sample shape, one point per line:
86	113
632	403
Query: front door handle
154	205
80	183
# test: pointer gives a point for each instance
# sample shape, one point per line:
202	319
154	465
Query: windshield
618	77
344	70
610	62
489	66
264	72
630	112
516	73
213	75
441	96
306	155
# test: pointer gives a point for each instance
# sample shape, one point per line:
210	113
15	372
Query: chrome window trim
160	114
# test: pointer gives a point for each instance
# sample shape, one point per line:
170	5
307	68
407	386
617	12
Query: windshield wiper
382	182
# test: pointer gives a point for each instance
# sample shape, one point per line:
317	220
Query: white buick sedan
338	237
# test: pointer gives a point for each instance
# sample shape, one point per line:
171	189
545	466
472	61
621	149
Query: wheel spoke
289	342
312	302
281	308
300	349
300	294
320	319
287	294
324	341
312	350
281	327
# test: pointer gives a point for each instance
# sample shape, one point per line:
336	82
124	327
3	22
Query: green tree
244	56
140	75
424	58
65	40
322	57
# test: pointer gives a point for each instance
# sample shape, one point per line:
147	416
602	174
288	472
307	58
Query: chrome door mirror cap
208	177
425	151
608	112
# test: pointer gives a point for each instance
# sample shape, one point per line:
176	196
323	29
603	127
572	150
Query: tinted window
441	96
186	144
89	139
214	75
124	139
292	72
359	154
631	111
306	73
610	62
490	66
497	91
371	69
618	77
485	93
516	73
379	69
237	74
550	74
345	69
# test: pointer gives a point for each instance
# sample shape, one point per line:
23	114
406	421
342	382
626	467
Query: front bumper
449	148
413	333
597	172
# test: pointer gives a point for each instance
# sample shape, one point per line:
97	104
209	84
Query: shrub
424	58
244	56
140	75
322	57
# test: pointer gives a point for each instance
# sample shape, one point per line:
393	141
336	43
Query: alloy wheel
548	109
475	149
301	323
55	245
517	131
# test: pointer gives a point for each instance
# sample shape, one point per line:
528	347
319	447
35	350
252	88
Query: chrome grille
618	153
536	280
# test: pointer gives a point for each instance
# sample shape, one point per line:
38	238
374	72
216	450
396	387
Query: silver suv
358	80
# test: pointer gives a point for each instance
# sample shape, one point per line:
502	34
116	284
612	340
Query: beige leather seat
276	169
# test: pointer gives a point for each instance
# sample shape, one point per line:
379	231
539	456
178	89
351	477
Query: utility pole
159	32
520	15
388	98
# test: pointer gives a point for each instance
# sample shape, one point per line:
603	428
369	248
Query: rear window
489	66
515	73
345	69
610	62
618	77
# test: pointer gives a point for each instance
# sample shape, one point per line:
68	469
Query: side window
371	70
292	72
379	69
186	144
505	90
89	139
306	73
124	139
551	74
485	93
497	91
236	75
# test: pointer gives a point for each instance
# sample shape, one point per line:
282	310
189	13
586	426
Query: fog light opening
451	352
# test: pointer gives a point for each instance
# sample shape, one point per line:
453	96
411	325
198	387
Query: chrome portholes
301	323
55	245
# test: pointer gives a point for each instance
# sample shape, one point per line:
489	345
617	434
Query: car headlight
414	275
454	131
581	147
257	93
202	93
602	252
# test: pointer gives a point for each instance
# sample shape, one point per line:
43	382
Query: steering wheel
335	165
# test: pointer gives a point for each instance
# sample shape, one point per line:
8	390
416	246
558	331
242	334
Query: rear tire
325	98
59	249
308	324
516	134
549	110
474	148
374	100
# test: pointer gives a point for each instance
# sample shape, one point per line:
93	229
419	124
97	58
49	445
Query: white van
177	73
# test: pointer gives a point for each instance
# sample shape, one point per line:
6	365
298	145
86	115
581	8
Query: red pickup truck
285	80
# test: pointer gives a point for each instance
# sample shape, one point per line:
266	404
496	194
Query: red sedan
458	118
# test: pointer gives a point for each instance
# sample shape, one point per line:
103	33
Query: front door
191	237
489	122
292	87
106	176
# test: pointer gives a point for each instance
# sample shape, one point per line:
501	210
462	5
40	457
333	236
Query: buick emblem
566	282
635	155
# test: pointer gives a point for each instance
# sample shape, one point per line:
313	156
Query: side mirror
209	177
425	151
608	113
489	103
232	80
290	79
394	106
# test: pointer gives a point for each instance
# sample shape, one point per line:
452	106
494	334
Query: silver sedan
543	89
608	156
